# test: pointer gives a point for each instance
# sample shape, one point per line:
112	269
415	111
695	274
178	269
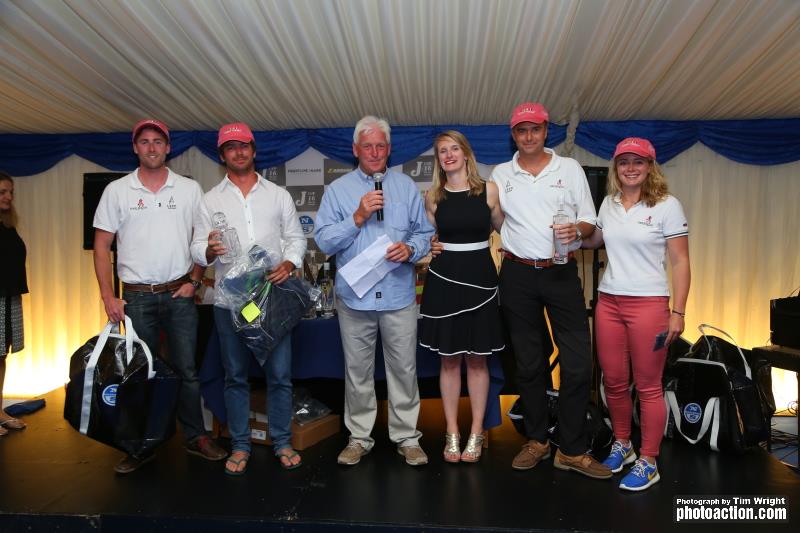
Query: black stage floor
53	479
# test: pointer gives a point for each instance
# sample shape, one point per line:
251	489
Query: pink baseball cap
529	112
237	131
150	123
635	145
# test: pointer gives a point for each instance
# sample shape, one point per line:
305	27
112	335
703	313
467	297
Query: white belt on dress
465	247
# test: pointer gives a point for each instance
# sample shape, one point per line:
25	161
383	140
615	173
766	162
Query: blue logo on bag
692	412
110	395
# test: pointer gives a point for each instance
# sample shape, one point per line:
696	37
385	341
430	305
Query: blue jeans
236	357
150	313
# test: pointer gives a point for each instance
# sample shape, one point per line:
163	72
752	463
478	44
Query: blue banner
755	142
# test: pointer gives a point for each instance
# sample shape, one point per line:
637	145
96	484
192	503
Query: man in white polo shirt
533	185
151	212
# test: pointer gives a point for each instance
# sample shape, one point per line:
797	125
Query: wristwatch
195	283
578	234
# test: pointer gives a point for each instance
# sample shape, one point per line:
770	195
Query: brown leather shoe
129	463
583	464
205	447
532	452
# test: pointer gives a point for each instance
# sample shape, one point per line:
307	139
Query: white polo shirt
266	216
636	244
154	229
529	203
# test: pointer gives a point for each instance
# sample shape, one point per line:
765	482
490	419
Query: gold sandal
472	453
452	447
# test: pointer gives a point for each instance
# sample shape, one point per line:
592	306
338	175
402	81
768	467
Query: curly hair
654	188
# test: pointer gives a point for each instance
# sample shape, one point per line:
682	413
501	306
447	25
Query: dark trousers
150	313
524	294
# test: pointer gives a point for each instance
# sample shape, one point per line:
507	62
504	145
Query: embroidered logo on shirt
139	206
557	185
509	188
647	222
171	203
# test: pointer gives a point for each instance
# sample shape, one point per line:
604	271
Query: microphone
378	179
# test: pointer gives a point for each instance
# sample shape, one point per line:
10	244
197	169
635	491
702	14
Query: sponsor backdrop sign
307	175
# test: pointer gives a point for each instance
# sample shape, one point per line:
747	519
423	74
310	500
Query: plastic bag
244	278
263	313
307	409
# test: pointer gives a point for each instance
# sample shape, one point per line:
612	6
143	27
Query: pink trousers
626	328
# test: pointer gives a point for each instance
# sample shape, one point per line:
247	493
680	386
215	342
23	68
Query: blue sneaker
641	476
620	456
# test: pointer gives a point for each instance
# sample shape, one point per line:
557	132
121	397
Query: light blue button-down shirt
404	221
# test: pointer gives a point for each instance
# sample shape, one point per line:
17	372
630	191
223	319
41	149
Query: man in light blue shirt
348	223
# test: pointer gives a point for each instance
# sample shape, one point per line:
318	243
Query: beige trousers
359	330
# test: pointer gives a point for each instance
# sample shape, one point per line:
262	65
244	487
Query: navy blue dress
460	313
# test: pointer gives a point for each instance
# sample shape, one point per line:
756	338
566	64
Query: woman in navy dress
460	314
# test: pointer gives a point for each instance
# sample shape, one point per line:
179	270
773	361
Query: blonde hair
654	188
474	180
8	218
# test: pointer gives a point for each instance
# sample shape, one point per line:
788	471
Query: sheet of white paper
369	267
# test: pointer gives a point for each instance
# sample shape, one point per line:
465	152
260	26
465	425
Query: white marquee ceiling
99	65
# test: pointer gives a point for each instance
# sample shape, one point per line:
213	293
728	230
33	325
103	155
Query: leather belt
535	263
157	288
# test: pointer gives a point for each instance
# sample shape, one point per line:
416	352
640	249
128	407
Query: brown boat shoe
583	464
531	454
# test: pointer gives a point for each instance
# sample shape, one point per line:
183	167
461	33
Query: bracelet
678	313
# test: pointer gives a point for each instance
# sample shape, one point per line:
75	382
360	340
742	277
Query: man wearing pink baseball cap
535	185
151	212
262	214
151	124
237	131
